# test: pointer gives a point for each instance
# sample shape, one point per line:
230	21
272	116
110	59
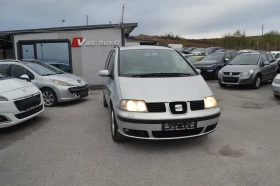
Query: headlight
61	83
210	102
247	73
220	73
276	81
209	66
2	98
133	106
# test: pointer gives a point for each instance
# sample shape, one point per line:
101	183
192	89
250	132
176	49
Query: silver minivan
155	93
56	85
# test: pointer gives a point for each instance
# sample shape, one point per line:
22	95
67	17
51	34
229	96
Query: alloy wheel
258	82
48	98
112	124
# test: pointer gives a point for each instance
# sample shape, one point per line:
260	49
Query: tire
222	85
104	102
49	97
257	82
277	96
216	73
116	136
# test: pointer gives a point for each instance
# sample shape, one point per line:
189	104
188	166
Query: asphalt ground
71	145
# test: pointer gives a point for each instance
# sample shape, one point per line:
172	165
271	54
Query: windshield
53	67
246	59
192	59
42	70
161	62
213	57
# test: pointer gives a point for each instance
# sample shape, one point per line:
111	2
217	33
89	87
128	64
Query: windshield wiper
162	74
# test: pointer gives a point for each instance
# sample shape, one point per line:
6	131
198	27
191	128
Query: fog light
75	95
3	119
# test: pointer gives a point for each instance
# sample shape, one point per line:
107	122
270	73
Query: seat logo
178	108
79	41
230	73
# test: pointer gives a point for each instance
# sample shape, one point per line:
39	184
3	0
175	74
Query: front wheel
277	96
257	82
49	97
216	73
116	136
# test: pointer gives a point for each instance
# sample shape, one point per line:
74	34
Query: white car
276	86
19	101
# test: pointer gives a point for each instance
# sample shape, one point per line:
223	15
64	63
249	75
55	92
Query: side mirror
26	77
266	63
104	73
198	70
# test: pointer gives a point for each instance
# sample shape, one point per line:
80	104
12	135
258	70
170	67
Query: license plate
173	126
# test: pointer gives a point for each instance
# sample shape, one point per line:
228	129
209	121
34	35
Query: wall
86	60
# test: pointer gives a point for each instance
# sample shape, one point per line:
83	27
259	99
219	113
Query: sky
192	19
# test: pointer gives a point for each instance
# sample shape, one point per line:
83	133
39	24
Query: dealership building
83	48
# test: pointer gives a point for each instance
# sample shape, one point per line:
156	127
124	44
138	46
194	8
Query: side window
263	58
111	63
277	55
270	58
17	71
4	69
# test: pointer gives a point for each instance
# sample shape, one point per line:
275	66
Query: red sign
76	41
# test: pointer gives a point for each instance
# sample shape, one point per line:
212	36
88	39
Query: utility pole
122	16
262	30
87	19
62	21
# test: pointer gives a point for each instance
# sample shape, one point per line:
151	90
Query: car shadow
244	87
18	132
168	145
72	103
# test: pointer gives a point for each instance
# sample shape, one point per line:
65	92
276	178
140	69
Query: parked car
276	86
211	50
19	101
276	55
56	86
194	59
249	69
188	50
198	51
210	65
155	93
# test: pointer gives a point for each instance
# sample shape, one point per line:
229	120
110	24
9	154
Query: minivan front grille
28	103
197	105
178	107
156	107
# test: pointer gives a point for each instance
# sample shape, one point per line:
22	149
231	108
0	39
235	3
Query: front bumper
276	89
71	93
206	72
15	117
146	126
235	80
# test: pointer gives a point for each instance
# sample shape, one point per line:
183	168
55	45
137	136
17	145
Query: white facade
87	60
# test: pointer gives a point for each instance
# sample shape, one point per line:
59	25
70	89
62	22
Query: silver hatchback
56	85
155	93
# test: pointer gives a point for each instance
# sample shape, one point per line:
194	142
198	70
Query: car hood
164	89
203	63
239	68
69	78
10	84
